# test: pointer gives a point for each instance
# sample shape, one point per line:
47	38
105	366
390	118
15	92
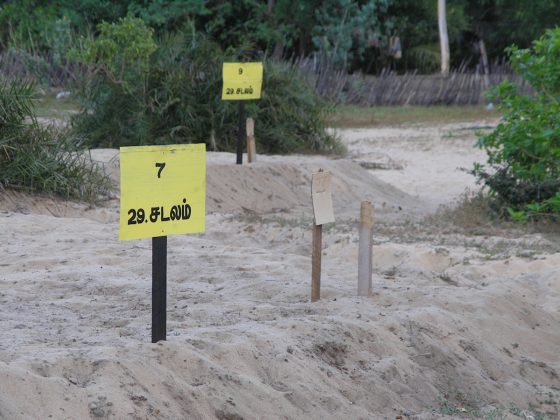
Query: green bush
37	158
291	117
172	94
523	168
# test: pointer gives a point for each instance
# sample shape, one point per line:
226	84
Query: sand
463	321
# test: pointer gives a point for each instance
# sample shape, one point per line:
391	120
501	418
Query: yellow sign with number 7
163	190
242	81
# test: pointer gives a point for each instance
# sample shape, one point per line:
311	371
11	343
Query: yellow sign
163	190
242	81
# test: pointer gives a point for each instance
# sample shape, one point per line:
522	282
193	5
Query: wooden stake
364	250
251	147
316	263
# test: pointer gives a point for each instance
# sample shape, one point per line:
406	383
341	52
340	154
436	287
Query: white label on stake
322	198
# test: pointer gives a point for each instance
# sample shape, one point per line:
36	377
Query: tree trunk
443	38
278	51
484	61
270	7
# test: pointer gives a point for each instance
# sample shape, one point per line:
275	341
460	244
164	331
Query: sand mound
458	325
272	185
24	203
285	187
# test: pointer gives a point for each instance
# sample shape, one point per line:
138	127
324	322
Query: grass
45	159
48	107
42	158
449	408
355	116
469	213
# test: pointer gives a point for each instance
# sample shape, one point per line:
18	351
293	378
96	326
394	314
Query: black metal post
241	132
159	288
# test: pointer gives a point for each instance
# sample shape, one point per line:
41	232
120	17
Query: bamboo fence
460	87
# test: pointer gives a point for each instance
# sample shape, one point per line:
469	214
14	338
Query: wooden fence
40	69
461	87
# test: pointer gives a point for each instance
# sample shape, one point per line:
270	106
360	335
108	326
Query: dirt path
428	162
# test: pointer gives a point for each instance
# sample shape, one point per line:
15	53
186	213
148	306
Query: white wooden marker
321	196
364	250
251	147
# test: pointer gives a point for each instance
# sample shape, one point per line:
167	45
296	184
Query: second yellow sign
242	81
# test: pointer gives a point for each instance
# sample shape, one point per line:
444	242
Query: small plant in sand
38	158
523	168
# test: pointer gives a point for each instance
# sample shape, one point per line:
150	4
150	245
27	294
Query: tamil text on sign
242	81
163	190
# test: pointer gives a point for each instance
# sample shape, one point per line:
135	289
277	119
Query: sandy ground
464	321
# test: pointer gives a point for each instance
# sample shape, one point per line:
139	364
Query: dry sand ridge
462	321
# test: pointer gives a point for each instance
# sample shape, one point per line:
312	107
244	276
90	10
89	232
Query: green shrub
291	116
114	91
37	158
174	96
523	168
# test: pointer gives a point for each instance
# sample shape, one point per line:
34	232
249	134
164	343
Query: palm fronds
37	158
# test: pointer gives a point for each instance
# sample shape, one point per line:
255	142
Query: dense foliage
524	150
37	158
140	92
352	33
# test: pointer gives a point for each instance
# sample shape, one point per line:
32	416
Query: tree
482	18
524	149
443	38
354	33
344	28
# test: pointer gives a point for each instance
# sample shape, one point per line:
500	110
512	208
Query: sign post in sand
163	192
242	82
323	213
